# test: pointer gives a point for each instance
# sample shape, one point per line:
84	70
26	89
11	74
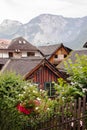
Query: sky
25	10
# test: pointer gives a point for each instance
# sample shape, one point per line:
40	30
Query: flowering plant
33	101
28	108
22	109
21	103
34	105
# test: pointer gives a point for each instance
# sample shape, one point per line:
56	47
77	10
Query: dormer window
24	42
17	50
20	42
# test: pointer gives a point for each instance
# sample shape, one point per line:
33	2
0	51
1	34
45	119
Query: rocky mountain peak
48	28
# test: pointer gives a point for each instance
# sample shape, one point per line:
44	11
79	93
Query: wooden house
37	70
17	48
55	53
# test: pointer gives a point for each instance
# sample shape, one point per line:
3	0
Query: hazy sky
24	10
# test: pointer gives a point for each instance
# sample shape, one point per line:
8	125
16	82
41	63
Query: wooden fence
71	116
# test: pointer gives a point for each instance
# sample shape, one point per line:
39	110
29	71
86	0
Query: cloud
9	2
77	2
24	10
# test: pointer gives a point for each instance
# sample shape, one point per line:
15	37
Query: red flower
23	109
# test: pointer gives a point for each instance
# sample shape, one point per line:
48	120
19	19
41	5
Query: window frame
49	89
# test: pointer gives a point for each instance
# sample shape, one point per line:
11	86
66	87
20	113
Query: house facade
55	53
17	48
35	69
32	63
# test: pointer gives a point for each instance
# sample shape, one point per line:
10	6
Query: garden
24	106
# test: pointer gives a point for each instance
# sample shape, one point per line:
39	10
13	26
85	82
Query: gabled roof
51	49
85	45
21	44
22	65
72	56
51	67
48	50
3	60
4	43
26	66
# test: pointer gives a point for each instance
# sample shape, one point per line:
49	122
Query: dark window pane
50	88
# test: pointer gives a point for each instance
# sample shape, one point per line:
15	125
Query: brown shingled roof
3	60
22	65
26	66
21	44
50	49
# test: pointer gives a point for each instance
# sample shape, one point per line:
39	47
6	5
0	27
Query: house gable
58	55
17	48
55	53
21	44
42	73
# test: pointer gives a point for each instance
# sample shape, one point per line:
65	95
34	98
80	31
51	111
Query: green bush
77	72
65	92
16	95
38	103
10	87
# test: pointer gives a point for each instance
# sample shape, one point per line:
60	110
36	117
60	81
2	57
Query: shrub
35	104
77	72
21	103
11	86
66	92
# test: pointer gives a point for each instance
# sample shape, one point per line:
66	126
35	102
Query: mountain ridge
48	29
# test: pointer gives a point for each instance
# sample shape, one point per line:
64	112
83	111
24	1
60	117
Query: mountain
48	29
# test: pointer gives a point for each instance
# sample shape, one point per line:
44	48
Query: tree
77	72
66	92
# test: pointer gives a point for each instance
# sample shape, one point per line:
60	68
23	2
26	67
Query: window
56	56
65	56
30	53
60	56
24	42
10	54
20	42
49	86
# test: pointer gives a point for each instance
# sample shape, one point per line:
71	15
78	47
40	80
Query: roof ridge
51	45
22	44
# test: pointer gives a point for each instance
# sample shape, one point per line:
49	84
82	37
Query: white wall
5	55
24	54
38	54
1	55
